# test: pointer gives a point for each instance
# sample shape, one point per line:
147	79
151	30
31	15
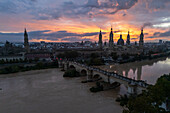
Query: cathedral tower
100	40
141	38
111	42
128	39
26	43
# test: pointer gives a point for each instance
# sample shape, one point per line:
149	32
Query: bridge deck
113	74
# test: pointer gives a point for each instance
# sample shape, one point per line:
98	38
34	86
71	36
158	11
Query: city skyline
72	21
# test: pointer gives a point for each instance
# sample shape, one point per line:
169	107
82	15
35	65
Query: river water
46	91
147	70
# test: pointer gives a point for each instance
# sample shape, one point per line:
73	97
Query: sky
81	20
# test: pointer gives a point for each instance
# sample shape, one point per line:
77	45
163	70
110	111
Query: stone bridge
133	86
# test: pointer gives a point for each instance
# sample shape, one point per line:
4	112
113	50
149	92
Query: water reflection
148	70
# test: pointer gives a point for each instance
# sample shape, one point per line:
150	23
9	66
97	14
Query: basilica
121	46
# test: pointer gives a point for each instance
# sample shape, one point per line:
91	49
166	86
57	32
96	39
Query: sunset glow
82	20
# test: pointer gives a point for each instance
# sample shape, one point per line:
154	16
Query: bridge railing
113	74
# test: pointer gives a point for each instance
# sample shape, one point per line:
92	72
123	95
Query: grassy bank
38	66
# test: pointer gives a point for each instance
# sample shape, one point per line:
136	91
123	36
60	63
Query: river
46	91
147	70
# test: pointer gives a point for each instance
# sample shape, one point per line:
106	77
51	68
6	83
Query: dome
120	42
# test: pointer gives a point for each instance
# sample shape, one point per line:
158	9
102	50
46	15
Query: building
111	42
141	42
26	43
160	41
100	40
120	41
128	39
42	56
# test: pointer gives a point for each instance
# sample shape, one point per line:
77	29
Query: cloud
156	34
91	8
16	6
92	3
85	15
75	39
155	5
147	24
7	7
165	34
48	35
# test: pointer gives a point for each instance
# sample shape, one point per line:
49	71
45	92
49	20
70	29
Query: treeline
16	68
94	60
71	73
149	101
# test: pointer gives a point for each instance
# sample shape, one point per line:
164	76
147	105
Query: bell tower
100	39
141	42
111	38
26	43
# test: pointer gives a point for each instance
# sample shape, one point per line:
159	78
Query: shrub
71	73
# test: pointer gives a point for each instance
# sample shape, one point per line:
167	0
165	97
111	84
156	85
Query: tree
71	73
114	56
151	100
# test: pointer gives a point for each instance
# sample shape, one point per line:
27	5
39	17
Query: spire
142	30
25	30
25	33
128	39
26	43
100	39
141	40
111	41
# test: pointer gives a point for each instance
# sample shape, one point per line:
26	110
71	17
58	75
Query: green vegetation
94	60
16	68
149	101
123	100
98	87
71	73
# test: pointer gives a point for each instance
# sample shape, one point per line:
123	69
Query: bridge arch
72	67
96	76
83	72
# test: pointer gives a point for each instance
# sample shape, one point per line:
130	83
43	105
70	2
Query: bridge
133	86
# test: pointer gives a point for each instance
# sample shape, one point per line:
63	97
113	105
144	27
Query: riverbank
23	68
46	91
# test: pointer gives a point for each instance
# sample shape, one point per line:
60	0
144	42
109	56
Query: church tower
141	39
111	39
26	43
100	40
128	39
